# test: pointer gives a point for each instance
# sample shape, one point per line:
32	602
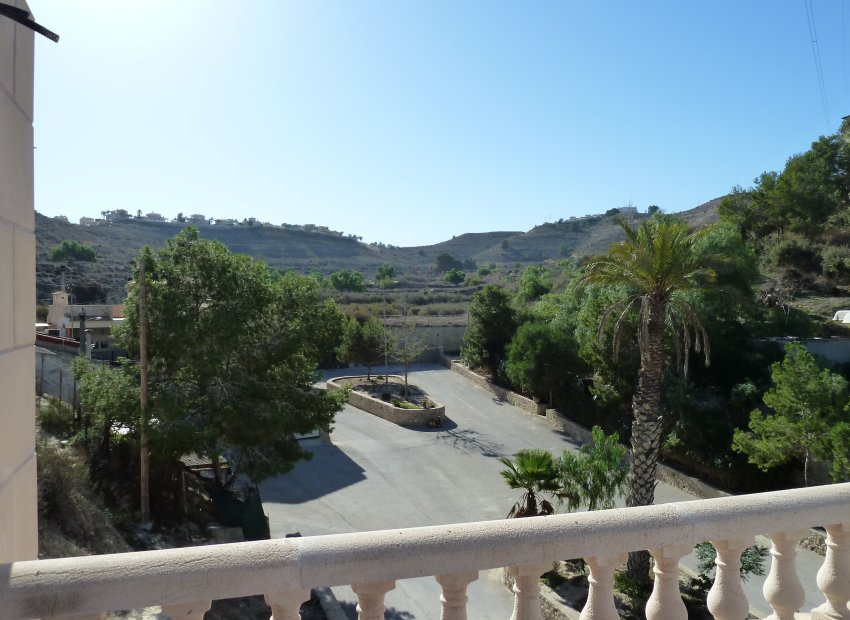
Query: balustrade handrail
92	584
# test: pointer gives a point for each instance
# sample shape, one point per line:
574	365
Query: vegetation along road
376	475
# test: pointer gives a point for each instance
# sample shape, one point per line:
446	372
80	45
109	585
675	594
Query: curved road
376	475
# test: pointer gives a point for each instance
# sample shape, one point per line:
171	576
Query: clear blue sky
409	122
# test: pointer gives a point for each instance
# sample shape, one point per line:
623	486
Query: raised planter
431	416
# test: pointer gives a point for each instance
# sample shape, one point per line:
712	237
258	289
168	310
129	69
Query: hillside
118	243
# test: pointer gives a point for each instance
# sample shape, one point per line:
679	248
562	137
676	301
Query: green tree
534	472
232	357
72	250
492	323
363	343
540	356
534	283
590	478
445	261
454	276
385	271
406	344
655	264
595	475
110	395
809	417
752	563
347	281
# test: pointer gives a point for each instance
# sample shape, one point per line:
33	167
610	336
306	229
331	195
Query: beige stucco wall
18	516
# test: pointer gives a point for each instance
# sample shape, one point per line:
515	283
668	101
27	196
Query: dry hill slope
118	243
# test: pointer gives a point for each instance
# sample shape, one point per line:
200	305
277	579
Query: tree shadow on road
329	470
470	440
350	610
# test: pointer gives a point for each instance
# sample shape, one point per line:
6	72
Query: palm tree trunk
646	429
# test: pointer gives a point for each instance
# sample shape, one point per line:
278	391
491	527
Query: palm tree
655	264
534	471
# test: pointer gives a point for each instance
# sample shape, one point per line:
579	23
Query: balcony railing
185	581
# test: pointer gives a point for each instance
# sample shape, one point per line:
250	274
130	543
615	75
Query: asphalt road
376	475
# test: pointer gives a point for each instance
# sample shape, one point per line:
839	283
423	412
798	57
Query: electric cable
813	35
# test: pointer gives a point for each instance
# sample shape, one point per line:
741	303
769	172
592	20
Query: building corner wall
18	491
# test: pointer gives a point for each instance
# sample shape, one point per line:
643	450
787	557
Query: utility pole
143	395
82	331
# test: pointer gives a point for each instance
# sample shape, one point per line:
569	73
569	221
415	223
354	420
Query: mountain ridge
117	244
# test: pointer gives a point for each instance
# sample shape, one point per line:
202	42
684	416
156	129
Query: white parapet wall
184	581
18	514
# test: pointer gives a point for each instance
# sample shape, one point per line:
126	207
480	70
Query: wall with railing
185	581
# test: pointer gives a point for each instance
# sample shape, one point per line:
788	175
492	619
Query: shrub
454	276
836	263
56	418
347	281
797	253
71	520
403	404
72	250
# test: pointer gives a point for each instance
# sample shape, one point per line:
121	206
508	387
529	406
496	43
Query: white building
64	315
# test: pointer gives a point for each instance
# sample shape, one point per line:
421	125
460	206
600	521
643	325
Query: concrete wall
835	350
18	514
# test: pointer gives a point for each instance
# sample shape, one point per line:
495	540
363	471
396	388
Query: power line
813	35
843	57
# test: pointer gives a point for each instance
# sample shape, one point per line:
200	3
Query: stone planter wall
388	411
526	404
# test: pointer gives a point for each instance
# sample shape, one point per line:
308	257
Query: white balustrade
527	589
834	575
665	602
782	588
370	599
726	599
600	597
286	604
187	611
453	597
286	569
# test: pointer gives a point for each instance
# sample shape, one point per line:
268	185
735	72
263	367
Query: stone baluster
666	603
600	596
187	611
834	575
370	599
286	604
726	599
782	588
453	598
527	590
